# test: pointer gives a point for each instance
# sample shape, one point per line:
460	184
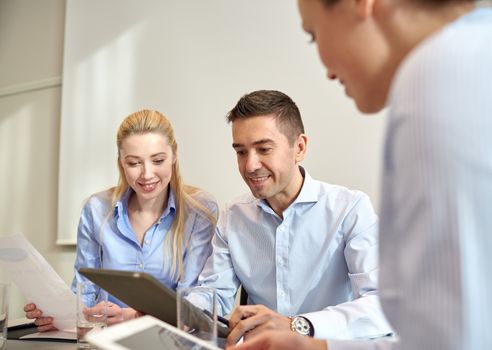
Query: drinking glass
92	311
4	311
200	323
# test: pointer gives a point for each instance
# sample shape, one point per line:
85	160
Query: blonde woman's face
147	161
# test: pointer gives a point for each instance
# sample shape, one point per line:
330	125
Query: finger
34	314
114	311
258	343
246	325
43	321
272	322
113	320
46	328
259	330
95	310
29	307
243	311
87	311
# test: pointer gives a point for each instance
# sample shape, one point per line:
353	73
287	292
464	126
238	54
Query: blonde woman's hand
116	314
43	323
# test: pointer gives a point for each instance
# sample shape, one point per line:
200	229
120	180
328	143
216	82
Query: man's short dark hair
270	102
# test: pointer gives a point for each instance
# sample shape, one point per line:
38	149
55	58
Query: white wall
192	60
344	147
31	46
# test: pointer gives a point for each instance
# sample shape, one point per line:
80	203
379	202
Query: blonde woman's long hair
150	121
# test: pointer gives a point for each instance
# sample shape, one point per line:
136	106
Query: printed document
37	280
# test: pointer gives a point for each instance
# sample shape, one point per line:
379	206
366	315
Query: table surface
13	343
39	345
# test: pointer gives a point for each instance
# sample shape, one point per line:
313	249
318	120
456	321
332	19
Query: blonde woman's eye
158	161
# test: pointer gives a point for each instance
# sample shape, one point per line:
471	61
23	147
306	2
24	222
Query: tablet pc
145	293
148	333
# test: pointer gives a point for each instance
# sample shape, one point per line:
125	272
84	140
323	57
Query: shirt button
281	228
147	242
280	261
282	294
141	266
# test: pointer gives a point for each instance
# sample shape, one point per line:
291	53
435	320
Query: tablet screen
158	338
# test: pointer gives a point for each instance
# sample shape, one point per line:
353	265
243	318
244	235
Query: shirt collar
121	206
309	190
171	205
308	194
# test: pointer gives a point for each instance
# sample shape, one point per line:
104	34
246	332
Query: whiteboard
192	60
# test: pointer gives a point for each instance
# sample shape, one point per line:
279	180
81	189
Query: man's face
351	48
266	160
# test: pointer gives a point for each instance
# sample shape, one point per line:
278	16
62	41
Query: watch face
301	325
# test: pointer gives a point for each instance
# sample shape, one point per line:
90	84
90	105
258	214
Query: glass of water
200	321
92	311
4	310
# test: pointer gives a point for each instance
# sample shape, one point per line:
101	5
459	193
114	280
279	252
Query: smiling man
428	62
304	250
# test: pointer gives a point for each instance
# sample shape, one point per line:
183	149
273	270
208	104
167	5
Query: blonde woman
150	222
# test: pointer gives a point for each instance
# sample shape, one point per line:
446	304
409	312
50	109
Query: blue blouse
109	241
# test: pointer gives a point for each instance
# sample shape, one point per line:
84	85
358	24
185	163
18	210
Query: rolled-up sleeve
361	317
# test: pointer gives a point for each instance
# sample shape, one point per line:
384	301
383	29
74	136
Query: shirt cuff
380	344
327	324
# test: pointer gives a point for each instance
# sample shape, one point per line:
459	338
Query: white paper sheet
37	280
19	322
62	335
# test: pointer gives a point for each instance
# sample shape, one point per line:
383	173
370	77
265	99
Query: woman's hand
115	313
43	323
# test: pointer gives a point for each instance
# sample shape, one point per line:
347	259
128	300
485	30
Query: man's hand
280	340
251	320
44	323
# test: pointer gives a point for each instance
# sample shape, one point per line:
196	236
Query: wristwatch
301	325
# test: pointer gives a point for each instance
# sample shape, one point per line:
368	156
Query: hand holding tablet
145	293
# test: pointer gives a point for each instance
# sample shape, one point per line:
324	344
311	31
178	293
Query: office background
190	59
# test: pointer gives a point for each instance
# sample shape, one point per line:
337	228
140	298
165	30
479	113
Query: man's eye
265	150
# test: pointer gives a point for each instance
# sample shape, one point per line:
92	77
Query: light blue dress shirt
319	260
436	219
108	241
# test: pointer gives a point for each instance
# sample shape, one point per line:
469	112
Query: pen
219	318
223	320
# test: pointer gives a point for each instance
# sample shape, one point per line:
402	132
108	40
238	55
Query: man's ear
364	8
301	147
